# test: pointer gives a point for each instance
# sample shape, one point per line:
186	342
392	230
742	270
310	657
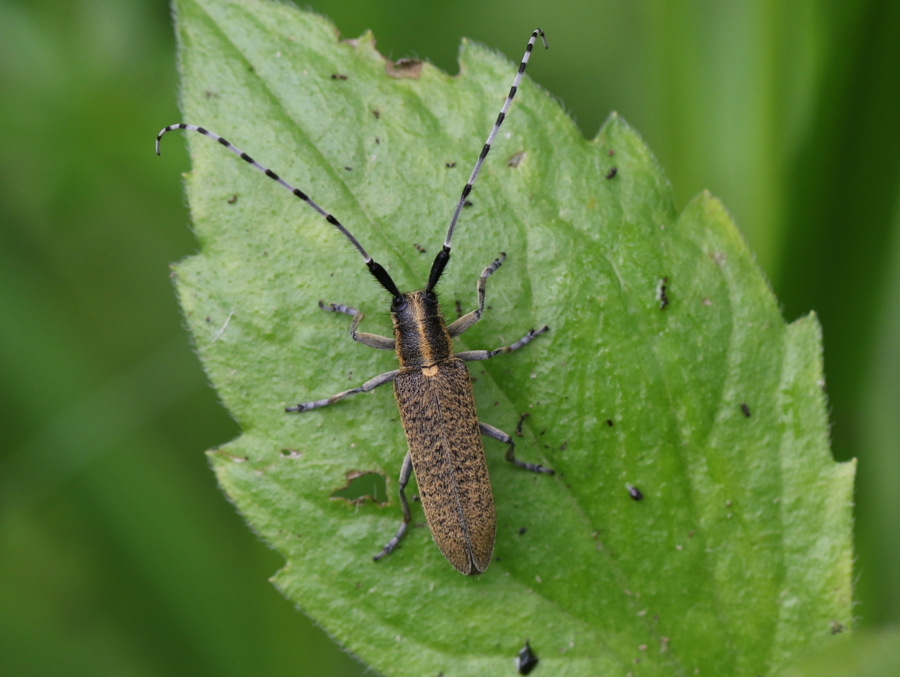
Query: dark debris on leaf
526	660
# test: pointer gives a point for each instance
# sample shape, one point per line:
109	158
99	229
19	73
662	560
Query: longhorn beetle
433	387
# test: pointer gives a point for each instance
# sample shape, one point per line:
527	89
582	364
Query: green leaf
739	555
866	654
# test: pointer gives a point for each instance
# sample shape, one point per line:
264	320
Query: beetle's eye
399	303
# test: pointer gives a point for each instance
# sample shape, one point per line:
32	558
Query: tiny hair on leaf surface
739	555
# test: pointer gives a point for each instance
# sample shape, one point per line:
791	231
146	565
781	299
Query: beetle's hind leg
405	471
501	436
371	340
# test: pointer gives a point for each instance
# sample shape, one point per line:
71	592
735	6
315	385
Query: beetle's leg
501	436
474	355
405	471
371	340
371	384
457	327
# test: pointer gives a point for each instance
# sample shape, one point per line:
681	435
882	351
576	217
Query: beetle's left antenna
375	268
443	256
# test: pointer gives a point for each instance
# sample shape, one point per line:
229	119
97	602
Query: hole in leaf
362	486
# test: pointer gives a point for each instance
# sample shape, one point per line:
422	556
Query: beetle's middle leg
371	384
405	471
474	355
501	436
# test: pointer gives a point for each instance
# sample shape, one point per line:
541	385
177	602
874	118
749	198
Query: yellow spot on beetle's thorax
430	372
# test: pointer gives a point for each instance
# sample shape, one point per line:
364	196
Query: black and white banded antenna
440	261
375	268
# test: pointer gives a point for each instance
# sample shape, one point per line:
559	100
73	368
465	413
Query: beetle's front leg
459	326
371	340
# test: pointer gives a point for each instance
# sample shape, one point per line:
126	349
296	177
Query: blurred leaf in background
117	553
862	654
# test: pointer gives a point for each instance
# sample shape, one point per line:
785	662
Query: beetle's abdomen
437	409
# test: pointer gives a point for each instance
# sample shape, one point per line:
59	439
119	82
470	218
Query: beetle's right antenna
375	268
443	256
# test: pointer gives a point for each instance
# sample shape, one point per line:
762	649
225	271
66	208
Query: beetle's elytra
432	385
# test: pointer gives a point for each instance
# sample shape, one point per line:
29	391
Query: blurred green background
118	554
